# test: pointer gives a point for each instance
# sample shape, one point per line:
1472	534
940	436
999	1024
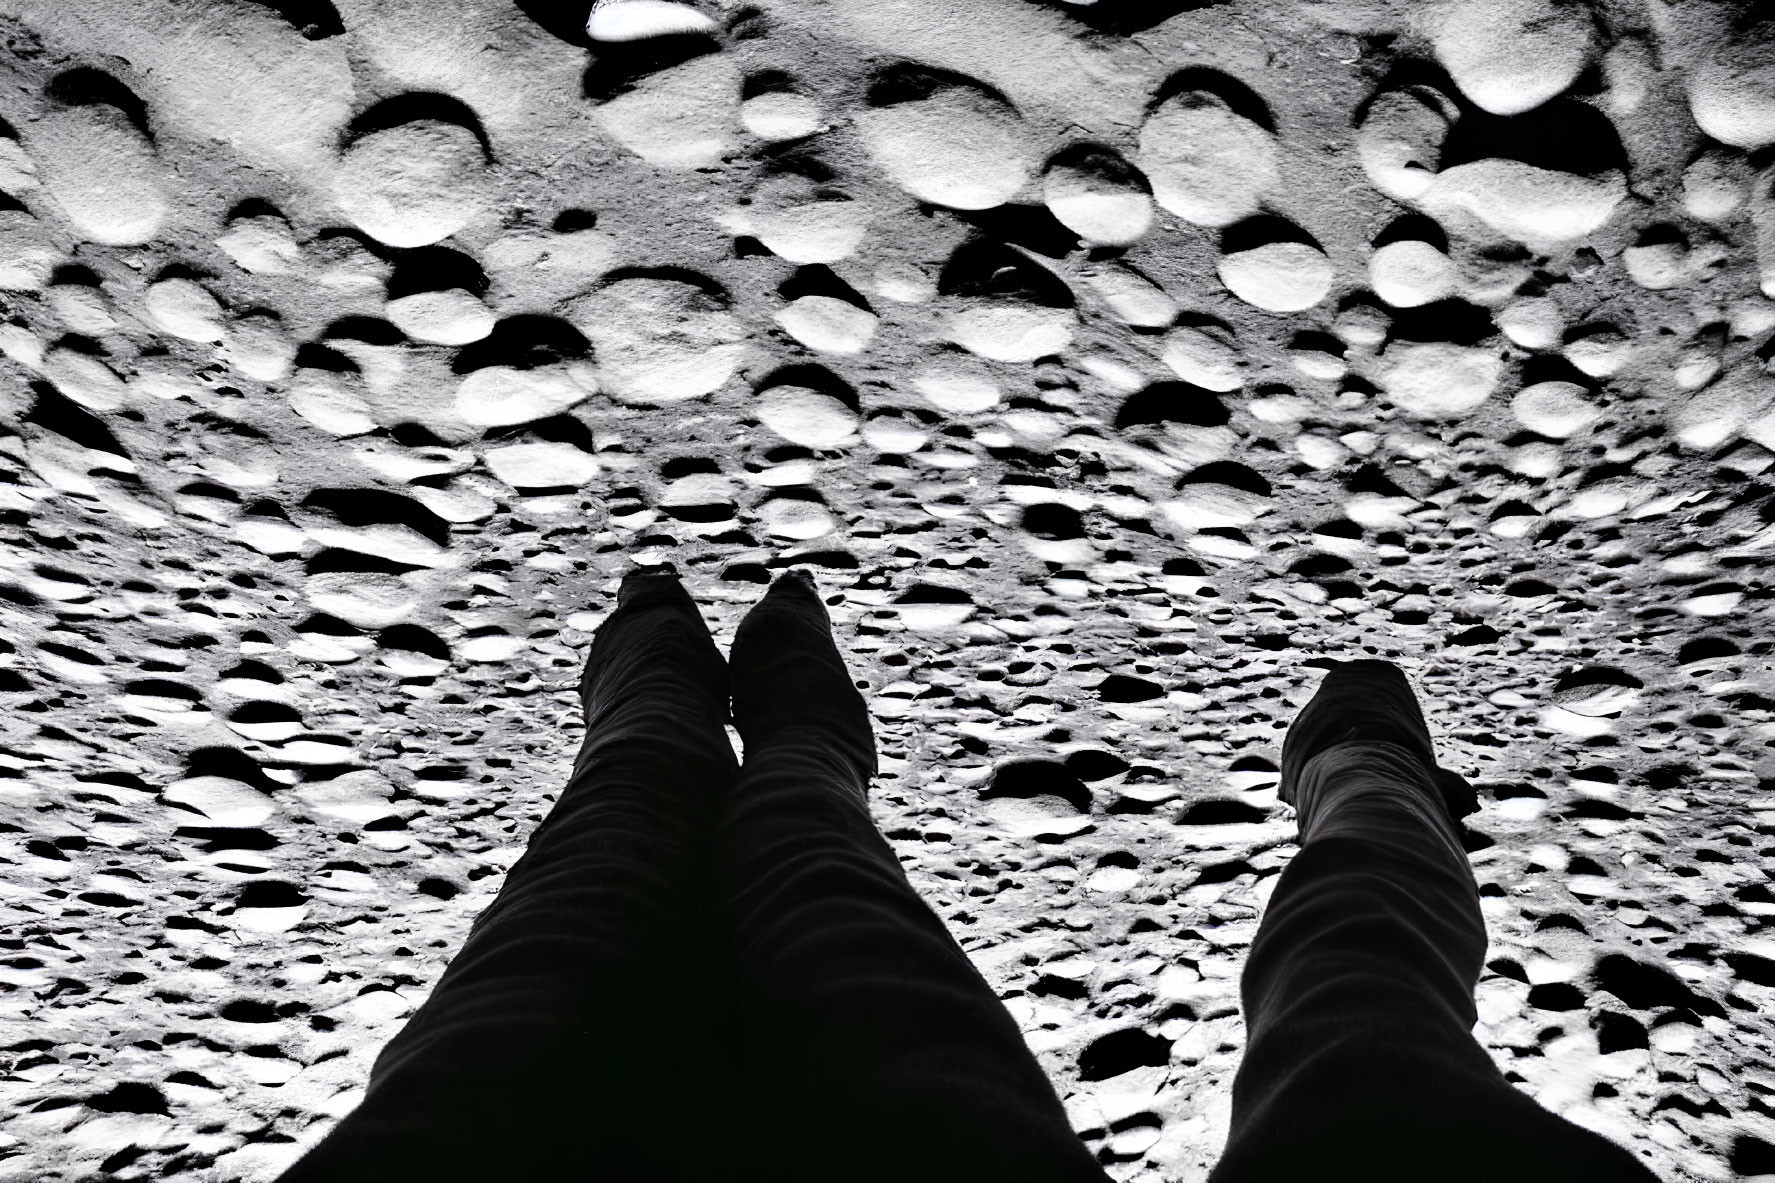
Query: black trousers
703	970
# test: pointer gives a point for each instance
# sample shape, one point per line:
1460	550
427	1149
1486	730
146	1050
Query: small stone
811	418
1278	276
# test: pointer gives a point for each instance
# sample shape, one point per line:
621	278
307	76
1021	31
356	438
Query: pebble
27	252
184	308
634	20
904	283
803	222
1533	323
82	308
324	402
1528	204
1732	95
1010	330
85	379
1278	276
959	147
1099	197
1437	380
1209	506
781	115
261	245
365	599
796	519
1510	56
1715	185
1716	414
499	396
957	386
413	184
1657	266
1400	139
811	418
1558	410
102	172
1206	164
223	800
544	464
449	317
1204	357
893	431
1410	273
659	340
828	324
683	117
1133	298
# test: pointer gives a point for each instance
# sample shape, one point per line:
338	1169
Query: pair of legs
703	970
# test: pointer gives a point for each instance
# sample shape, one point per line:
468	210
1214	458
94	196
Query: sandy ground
1110	364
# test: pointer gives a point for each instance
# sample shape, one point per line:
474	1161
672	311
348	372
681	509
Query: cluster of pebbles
1111	363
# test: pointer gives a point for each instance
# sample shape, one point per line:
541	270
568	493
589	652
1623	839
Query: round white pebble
1206	164
958	148
1409	273
1134	299
828	324
1400	139
367	599
1557	410
184	308
260	348
450	317
414	184
27	253
545	464
330	407
807	417
1278	276
1525	203
1733	100
1011	330
1200	357
635	20
683	117
1533	323
1509	56
102	172
659	340
1097	208
1437	380
225	801
794	518
781	115
498	396
893	431
957	387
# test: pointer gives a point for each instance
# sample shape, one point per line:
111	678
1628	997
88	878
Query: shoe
788	676
649	585
1368	700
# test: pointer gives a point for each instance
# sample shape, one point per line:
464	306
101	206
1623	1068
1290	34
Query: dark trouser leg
558	1043
1360	1062
897	1060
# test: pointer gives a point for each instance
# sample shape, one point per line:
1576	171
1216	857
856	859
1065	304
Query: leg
553	1046
897	1060
1358	992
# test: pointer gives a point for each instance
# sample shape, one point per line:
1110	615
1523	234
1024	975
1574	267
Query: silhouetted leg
1360	1061
561	1043
894	1058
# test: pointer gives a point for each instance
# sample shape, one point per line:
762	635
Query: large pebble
184	308
27	253
1557	410
828	324
1278	276
262	245
781	115
498	396
1408	273
366	599
1102	200
811	418
683	117
957	386
544	464
1011	330
659	340
1510	56
1207	164
1134	299
959	147
103	173
1437	380
1732	96
803	222
1400	140
413	184
636	20
1203	357
797	519
356	797
85	379
449	317
1531	205
224	801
